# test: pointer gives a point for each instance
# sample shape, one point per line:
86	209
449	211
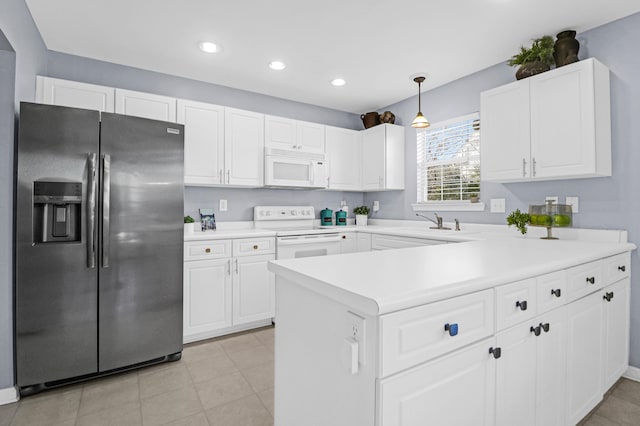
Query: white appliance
296	234
293	169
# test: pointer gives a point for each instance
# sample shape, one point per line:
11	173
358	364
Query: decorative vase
531	68
370	119
387	117
361	220
565	49
189	228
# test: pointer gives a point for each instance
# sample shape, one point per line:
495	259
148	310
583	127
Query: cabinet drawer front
249	246
552	291
457	389
584	279
515	302
196	250
616	267
416	335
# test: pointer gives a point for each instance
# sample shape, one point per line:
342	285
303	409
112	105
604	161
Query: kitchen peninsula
500	331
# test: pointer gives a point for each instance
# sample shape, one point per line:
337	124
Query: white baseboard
9	395
632	373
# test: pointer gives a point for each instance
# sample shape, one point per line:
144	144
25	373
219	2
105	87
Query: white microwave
294	169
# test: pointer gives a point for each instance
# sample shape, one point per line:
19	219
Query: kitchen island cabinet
455	334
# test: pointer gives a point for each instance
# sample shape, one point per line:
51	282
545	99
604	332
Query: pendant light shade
420	122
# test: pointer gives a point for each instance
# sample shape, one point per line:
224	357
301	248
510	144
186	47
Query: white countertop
380	282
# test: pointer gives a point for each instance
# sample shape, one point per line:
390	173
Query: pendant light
420	122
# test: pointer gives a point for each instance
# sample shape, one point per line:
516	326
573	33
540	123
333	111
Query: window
448	164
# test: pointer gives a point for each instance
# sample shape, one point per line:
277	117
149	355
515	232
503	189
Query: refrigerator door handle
92	159
106	195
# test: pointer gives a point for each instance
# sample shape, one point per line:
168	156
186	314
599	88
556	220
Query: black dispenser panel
57	213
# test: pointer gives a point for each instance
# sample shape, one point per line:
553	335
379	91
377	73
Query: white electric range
297	234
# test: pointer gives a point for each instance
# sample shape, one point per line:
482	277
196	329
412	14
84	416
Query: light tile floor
220	382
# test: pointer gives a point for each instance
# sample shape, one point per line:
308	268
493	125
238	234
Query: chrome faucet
437	221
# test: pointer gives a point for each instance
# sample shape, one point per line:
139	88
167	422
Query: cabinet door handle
546	327
522	305
608	296
255	247
207	250
622	268
236	266
591	280
496	352
556	292
533	165
524	167
535	330
344	237
451	328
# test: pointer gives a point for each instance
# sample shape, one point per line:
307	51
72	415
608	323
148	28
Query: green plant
541	50
520	220
188	219
361	210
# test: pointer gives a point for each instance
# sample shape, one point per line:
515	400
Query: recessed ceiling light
277	65
338	82
209	47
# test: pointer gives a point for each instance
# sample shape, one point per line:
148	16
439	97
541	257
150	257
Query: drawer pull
522	305
451	328
255	247
344	237
591	280
556	292
622	268
496	352
207	250
545	327
608	296
535	330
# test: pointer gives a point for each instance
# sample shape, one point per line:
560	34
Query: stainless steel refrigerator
98	244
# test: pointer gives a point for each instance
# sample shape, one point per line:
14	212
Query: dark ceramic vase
565	49
370	119
531	68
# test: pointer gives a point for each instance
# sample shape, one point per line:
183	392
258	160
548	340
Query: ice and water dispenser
57	213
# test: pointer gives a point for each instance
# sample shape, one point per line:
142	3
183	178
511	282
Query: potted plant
534	60
188	224
361	212
520	220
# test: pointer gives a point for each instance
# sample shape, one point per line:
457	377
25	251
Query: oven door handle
295	241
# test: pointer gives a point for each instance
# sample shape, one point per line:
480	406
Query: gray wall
17	83
604	202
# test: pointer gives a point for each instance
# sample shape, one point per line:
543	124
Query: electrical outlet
498	205
376	206
574	202
552	198
223	205
343	203
355	329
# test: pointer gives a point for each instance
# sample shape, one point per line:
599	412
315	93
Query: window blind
448	160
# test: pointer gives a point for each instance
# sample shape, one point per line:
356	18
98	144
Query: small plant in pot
361	212
188	224
534	60
520	220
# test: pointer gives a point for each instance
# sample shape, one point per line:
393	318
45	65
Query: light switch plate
574	202
223	205
376	206
498	205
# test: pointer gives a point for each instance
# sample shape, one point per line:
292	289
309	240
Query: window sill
436	206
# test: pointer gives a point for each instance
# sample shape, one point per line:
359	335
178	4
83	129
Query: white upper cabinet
145	105
244	148
53	91
344	158
555	125
203	142
383	158
287	134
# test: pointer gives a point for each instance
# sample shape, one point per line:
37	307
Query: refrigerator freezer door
140	300
56	293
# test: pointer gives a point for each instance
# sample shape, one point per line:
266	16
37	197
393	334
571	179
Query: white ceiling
375	45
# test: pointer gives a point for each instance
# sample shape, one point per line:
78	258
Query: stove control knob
293	212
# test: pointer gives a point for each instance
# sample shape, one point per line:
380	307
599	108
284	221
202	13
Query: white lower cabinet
348	242
530	372
363	241
227	286
615	340
456	389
